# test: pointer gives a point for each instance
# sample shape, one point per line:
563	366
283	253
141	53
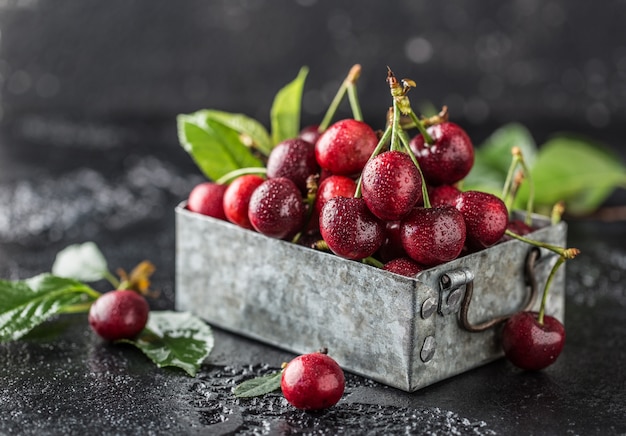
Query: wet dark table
65	182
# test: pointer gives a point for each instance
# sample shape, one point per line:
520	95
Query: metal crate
404	332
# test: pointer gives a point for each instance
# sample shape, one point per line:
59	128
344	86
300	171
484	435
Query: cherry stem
506	189
557	212
372	262
531	190
321	245
354	102
395	128
399	92
420	126
240	172
84	289
402	106
78	308
544	298
407	148
441	117
311	185
567	253
508	193
348	85
381	143
111	279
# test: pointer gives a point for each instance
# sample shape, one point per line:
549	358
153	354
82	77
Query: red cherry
486	218
350	229
404	266
331	187
449	159
119	314
237	199
345	147
276	208
443	195
312	382
293	159
310	133
391	185
530	345
206	198
432	236
392	245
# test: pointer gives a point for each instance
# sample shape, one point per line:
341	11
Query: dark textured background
88	151
557	63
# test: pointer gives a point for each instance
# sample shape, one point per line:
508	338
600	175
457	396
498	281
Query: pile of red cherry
388	219
385	199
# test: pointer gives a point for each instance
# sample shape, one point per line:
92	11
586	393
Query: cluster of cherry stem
512	182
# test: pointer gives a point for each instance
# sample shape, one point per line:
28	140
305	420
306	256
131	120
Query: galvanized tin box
404	332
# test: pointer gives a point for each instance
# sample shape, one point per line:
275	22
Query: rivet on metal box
401	331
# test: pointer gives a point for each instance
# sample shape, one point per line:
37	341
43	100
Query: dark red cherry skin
293	159
530	345
432	236
312	382
486	218
121	314
403	266
391	185
310	133
207	199
237	199
443	195
392	244
345	147
331	187
276	208
350	229
449	159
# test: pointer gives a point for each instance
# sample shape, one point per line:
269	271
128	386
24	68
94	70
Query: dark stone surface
88	151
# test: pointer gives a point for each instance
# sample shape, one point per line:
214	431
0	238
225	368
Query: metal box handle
453	280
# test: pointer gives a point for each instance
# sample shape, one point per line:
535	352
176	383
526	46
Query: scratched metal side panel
499	289
296	298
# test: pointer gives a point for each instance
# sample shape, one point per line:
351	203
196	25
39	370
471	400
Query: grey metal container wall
401	331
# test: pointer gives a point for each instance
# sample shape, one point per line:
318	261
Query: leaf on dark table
84	262
176	339
26	304
259	386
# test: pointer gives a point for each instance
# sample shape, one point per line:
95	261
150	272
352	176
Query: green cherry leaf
493	157
216	148
577	171
176	339
258	386
286	108
84	262
495	151
28	303
251	128
483	177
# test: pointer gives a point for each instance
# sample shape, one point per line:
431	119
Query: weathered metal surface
401	331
